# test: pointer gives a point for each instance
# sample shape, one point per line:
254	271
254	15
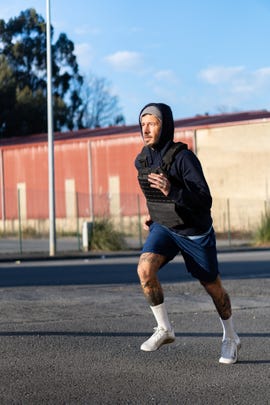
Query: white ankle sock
161	316
228	329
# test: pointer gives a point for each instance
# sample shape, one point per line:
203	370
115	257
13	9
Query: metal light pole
50	134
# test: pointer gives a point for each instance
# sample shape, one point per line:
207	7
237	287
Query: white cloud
164	84
237	80
125	61
136	30
262	74
84	55
166	76
242	87
164	93
86	30
220	74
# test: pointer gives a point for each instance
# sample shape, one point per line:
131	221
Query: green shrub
29	232
105	237
262	235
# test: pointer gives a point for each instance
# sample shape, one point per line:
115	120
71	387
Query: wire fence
26	213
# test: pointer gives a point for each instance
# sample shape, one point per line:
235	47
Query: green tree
7	93
23	76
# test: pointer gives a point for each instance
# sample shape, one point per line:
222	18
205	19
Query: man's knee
148	266
213	286
145	272
220	297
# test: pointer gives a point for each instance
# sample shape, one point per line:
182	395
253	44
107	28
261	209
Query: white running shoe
160	337
229	350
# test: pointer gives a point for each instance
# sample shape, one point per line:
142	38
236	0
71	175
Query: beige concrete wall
236	163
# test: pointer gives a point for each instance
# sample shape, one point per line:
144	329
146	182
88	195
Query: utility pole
50	135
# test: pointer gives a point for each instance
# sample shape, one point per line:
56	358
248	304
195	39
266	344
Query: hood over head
164	113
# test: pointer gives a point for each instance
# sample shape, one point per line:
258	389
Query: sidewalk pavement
70	247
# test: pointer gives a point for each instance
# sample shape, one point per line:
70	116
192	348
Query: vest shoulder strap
142	157
167	159
169	156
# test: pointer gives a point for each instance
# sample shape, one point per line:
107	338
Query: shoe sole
223	360
167	341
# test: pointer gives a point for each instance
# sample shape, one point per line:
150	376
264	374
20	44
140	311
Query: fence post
229	222
78	221
19	221
266	208
3	191
139	220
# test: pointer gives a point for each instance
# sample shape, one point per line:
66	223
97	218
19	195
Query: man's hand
160	182
148	221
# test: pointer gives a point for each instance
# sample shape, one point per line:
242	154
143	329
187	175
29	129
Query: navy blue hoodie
189	189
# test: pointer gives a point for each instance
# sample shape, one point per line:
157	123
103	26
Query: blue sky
197	56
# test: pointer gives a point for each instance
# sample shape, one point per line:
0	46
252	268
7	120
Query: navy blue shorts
199	253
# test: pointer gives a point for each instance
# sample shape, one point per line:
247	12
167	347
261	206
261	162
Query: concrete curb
39	256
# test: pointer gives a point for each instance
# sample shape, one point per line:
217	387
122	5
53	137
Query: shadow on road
124	334
113	273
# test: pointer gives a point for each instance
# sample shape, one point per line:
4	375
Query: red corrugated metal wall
115	158
26	165
71	163
97	168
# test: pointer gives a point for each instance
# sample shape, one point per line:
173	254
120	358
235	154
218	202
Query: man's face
151	127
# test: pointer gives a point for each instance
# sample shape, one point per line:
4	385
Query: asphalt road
71	332
121	270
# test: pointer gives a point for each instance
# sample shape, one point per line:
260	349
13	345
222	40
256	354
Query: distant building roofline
196	122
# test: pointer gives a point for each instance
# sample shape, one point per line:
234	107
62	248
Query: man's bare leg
149	264
221	299
148	267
